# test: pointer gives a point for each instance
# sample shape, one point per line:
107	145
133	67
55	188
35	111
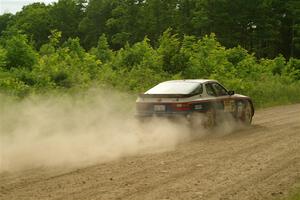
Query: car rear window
176	88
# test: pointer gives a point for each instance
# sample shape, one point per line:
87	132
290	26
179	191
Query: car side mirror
231	92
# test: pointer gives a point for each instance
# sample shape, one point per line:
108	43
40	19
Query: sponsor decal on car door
227	101
229	105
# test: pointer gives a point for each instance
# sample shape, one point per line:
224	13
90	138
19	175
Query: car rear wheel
203	120
209	119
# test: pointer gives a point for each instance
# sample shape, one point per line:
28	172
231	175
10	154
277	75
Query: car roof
192	80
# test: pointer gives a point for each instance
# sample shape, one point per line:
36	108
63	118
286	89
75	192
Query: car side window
210	90
198	90
219	90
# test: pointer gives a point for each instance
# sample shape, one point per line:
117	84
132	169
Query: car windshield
175	88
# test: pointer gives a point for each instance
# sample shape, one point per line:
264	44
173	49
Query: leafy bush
140	66
19	53
3	57
9	84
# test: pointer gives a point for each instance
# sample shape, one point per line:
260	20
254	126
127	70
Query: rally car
192	99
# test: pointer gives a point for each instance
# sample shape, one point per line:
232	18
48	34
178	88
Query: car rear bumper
165	115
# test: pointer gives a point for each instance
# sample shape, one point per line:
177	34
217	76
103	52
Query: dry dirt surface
259	162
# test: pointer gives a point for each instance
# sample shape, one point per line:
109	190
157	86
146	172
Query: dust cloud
60	130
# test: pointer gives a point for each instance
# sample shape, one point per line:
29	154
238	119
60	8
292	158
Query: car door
228	103
214	99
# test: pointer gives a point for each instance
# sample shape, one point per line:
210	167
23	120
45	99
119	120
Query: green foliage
138	79
295	193
4	21
157	16
263	27
93	24
102	51
67	66
140	54
278	65
169	46
206	56
19	53
3	57
34	20
55	38
65	16
293	68
124	18
236	55
10	84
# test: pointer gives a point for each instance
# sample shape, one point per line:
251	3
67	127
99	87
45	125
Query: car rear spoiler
165	95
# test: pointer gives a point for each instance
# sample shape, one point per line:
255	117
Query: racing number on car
229	106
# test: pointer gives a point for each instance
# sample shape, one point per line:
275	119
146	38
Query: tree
125	22
65	17
169	49
4	21
3	57
102	51
69	66
159	15
264	27
34	21
94	23
294	17
184	22
19	53
249	23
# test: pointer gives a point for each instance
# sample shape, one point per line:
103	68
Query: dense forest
266	27
252	46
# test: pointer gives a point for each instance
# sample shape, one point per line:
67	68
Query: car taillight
182	106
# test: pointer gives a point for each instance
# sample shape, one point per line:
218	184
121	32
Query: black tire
203	120
247	114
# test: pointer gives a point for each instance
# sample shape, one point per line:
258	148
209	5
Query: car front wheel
247	114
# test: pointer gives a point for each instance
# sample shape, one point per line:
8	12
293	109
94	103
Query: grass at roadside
295	194
275	94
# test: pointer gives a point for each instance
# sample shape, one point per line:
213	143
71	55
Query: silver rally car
194	98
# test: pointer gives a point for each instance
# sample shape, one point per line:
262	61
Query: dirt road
260	162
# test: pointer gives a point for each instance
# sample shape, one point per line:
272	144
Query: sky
13	6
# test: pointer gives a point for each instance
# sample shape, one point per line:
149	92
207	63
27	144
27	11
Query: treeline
67	66
266	27
131	45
